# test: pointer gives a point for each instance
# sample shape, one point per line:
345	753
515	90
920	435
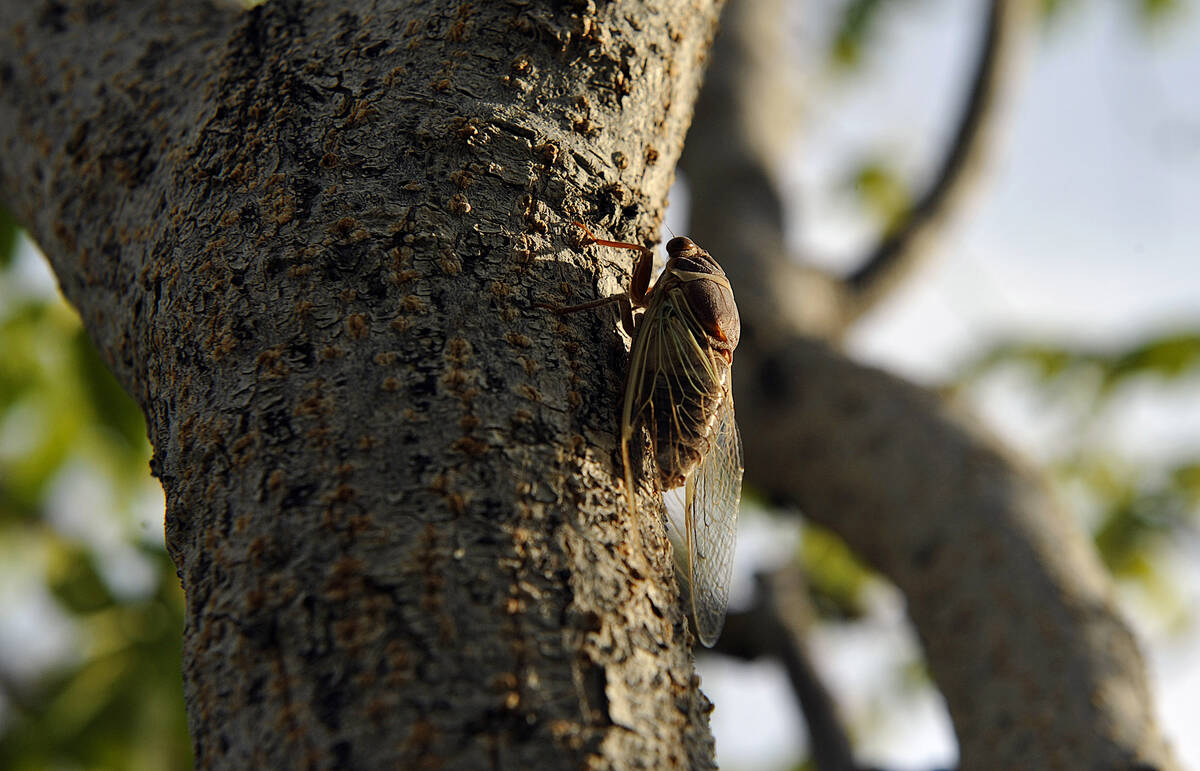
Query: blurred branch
15	695
1014	610
902	248
777	625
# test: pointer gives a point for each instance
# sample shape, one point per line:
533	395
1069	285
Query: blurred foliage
859	19
1145	11
1139	512
1154	8
1052	9
1165	358
1155	11
882	192
1139	507
121	706
836	578
114	698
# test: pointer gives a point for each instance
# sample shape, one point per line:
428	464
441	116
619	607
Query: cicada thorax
706	291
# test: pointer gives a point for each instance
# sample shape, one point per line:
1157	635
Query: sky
1087	230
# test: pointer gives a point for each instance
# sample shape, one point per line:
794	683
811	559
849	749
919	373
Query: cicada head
710	300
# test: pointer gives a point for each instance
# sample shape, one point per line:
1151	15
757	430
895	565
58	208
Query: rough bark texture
310	239
1012	605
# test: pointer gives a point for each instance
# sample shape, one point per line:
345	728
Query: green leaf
857	24
835	576
40	410
1121	539
880	189
1046	361
1166	357
1053	10
1185	480
73	580
122	706
20	334
1155	11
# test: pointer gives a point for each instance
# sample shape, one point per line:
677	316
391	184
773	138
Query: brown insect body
691	302
679	387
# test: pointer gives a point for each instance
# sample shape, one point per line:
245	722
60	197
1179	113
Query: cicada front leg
639	284
638	296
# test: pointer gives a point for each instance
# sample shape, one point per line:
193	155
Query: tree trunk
312	241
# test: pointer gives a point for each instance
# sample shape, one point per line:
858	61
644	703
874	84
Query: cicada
679	388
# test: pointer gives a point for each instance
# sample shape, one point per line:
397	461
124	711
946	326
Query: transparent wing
639	390
711	499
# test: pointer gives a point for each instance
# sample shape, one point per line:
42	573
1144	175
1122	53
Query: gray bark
310	239
1012	605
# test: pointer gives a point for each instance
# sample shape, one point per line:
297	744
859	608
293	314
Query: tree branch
1013	608
903	248
777	625
93	103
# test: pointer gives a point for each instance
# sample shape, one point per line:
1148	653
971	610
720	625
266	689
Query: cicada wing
670	371
638	400
712	497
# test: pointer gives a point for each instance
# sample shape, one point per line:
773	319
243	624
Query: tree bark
311	240
1015	611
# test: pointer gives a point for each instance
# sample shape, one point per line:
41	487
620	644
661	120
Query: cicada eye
679	244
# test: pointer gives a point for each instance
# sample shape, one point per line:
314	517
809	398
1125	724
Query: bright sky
1087	230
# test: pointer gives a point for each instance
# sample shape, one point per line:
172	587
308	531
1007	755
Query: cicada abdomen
678	387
